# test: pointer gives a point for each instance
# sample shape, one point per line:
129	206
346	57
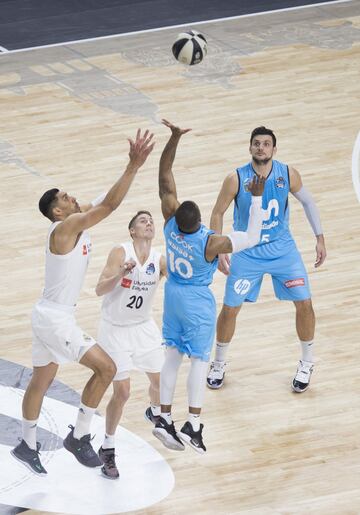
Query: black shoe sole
109	477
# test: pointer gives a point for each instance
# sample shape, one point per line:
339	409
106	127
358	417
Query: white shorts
132	347
56	336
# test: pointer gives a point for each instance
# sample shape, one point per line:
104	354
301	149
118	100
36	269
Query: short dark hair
263	131
47	202
132	221
188	216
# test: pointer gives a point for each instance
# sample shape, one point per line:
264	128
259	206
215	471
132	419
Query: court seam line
168	27
355	166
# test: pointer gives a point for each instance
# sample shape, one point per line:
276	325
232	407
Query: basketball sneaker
166	433
301	380
109	468
151	417
82	449
215	378
29	457
192	438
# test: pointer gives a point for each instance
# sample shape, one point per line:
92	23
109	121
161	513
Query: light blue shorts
289	277
189	319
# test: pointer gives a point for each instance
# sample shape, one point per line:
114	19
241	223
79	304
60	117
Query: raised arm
227	194
67	232
311	211
115	269
239	240
167	186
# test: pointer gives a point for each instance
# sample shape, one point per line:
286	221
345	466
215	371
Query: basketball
190	47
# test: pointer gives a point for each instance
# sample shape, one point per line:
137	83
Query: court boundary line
4	50
355	166
168	27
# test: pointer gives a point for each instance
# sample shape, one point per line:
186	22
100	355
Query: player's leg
191	432
152	413
28	449
149	356
291	282
242	284
164	429
305	328
78	440
225	329
114	409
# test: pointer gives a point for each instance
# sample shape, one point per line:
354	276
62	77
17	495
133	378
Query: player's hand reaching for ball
256	186
176	131
140	148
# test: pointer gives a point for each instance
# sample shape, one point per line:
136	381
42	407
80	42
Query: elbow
98	291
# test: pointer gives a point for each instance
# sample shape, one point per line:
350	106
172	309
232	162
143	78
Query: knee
304	307
229	312
107	370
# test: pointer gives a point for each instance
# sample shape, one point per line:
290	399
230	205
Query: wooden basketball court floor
66	112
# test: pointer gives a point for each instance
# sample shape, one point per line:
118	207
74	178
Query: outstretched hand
176	131
256	186
140	148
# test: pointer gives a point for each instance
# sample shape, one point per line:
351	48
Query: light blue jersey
275	204
185	254
276	254
189	305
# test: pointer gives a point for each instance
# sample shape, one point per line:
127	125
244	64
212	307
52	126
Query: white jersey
130	302
65	273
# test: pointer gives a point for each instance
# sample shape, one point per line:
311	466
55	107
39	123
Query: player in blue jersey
276	254
189	306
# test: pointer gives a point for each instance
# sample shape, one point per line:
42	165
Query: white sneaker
215	378
301	380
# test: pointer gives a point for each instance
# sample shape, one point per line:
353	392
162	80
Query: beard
262	161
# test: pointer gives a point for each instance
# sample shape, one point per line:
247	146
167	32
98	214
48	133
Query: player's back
185	252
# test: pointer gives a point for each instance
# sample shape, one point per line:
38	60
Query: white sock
82	426
307	351
156	411
221	351
167	417
109	442
29	432
194	421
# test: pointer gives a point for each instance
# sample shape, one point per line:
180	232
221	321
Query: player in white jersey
127	331
56	337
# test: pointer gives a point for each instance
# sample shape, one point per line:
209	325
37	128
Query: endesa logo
295	282
126	283
179	238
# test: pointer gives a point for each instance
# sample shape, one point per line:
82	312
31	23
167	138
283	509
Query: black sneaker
82	449
301	380
151	417
29	457
216	375
166	433
192	438
109	468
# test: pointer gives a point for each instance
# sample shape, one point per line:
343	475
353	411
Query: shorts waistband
56	305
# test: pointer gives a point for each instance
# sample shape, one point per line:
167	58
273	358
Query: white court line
3	49
356	167
195	23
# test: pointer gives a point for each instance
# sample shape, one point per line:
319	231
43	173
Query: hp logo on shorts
242	286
